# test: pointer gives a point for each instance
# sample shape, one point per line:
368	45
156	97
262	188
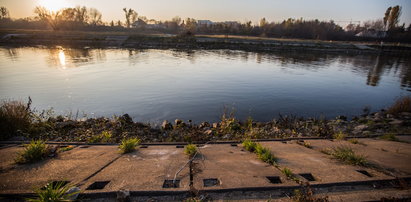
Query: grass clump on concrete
53	192
263	153
401	105
347	155
305	144
307	195
129	145
190	150
389	137
339	136
35	151
249	145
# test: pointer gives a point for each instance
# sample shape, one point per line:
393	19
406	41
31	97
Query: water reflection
69	58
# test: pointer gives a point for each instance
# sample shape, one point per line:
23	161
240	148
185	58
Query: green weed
53	193
190	150
129	145
35	151
347	155
389	137
103	137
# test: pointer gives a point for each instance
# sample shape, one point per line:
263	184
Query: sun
53	5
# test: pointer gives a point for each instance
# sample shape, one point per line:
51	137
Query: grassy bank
145	40
19	122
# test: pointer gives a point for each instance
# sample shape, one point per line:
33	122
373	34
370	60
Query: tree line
83	18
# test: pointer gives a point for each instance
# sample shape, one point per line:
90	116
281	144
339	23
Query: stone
178	122
396	122
215	125
123	195
208	132
73	193
204	124
344	118
126	119
166	125
361	127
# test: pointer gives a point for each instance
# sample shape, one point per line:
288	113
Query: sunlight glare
62	59
53	5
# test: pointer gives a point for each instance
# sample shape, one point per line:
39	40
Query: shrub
32	152
53	192
129	145
268	157
262	153
347	155
103	137
14	116
190	150
389	137
401	105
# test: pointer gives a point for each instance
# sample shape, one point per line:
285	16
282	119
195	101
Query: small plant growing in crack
305	144
249	145
339	136
389	137
355	141
347	155
54	192
190	150
290	175
262	153
34	151
129	145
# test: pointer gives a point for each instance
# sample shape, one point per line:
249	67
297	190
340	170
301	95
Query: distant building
139	24
372	33
233	24
204	22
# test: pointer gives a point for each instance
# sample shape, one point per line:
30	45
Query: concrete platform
302	160
145	170
233	167
230	171
379	152
74	166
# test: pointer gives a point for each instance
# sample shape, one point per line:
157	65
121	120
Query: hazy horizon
226	10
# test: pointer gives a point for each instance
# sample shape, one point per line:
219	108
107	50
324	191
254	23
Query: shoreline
19	38
384	124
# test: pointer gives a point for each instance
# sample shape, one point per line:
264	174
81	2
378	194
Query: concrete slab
74	166
144	170
400	148
302	160
234	168
404	138
393	162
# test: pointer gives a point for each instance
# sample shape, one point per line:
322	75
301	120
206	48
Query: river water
154	85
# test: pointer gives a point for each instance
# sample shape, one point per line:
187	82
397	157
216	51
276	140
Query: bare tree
392	17
95	17
131	16
52	18
81	14
4	13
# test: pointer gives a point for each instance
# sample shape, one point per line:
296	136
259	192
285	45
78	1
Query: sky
341	11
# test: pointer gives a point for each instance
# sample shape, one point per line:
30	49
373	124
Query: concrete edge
198	142
277	190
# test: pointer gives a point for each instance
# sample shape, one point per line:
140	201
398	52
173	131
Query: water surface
154	85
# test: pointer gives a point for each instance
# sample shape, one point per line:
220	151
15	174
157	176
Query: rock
389	116
126	119
361	127
73	192
215	125
166	125
396	122
344	118
18	138
204	124
66	124
123	196
178	122
405	114
208	132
